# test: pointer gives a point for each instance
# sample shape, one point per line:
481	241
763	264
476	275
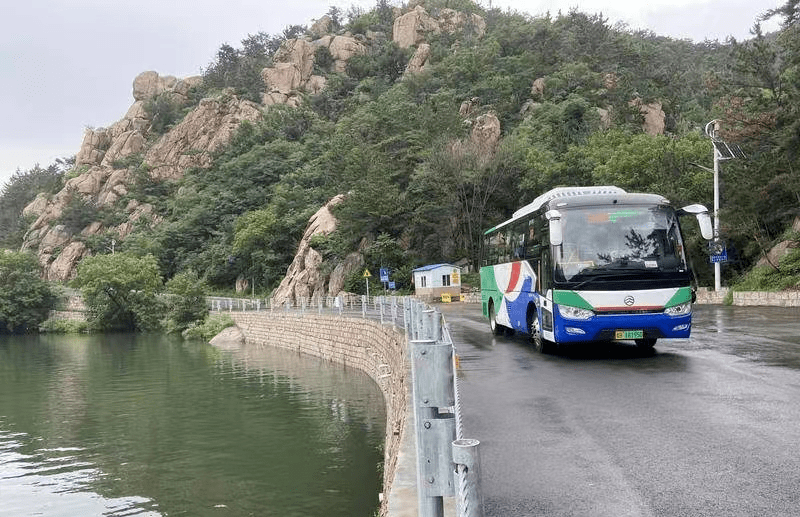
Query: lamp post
711	131
722	151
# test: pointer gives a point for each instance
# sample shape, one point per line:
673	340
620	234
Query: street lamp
722	151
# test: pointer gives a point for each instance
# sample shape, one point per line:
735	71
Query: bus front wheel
646	343
539	343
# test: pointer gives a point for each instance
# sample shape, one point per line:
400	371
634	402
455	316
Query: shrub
61	326
25	299
213	325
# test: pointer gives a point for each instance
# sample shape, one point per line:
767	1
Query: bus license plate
629	334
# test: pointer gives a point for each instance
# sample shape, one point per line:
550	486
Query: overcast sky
69	64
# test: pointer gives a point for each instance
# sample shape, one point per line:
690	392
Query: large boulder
298	52
452	21
485	134
417	62
126	144
291	73
321	27
780	250
36	207
413	27
342	48
282	78
150	84
63	267
304	278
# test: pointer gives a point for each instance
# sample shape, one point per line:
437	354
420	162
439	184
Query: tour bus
582	264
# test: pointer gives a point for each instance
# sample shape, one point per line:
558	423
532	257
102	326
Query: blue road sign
720	257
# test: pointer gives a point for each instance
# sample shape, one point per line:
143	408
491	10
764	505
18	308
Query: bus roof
582	194
565	192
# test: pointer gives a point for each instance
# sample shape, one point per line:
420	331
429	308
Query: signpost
366	280
384	273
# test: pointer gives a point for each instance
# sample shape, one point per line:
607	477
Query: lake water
146	425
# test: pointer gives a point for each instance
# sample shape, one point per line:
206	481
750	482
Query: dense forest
418	190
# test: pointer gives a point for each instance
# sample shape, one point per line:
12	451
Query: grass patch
767	278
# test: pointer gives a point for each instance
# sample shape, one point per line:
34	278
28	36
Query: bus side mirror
556	235
703	219
706	229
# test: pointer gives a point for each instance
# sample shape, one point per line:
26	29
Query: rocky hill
103	167
397	137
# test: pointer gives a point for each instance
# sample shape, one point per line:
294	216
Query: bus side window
533	249
518	241
546	278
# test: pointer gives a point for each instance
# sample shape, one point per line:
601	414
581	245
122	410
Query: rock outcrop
303	279
102	163
291	74
105	146
653	123
414	27
780	250
206	128
484	137
420	58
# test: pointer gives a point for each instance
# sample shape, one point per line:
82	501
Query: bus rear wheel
496	328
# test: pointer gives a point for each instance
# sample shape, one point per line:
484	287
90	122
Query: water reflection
143	425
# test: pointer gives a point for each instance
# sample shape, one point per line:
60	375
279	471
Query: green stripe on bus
682	295
572	299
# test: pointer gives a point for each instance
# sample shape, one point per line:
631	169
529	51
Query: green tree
120	291
185	300
241	68
25	299
20	190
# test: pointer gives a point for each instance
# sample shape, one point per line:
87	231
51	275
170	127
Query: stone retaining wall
778	299
378	350
750	298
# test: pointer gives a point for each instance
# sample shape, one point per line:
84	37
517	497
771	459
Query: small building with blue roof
437	279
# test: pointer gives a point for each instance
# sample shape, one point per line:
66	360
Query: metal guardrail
447	463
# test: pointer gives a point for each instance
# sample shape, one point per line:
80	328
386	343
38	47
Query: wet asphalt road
708	426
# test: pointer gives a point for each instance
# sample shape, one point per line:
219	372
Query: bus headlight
679	310
574	313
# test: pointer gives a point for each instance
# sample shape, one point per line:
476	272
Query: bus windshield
620	240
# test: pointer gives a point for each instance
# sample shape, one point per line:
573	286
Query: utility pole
722	151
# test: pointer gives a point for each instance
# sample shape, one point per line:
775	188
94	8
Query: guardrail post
432	380
469	502
407	315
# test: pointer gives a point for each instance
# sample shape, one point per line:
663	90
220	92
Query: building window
445	280
422	281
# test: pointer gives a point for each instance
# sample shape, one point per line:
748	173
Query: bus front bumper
611	327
